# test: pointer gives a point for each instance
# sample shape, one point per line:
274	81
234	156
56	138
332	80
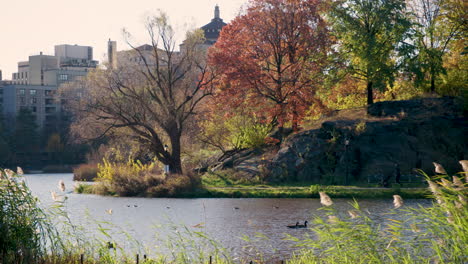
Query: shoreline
285	192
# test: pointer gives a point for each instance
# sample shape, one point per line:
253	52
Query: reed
26	232
434	234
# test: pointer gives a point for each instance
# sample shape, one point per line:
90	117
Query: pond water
225	220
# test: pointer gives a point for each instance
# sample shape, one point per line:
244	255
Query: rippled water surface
225	220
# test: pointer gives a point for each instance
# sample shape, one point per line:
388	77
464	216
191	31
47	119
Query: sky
28	27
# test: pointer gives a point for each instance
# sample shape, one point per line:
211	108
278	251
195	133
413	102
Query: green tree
25	137
55	147
435	29
370	35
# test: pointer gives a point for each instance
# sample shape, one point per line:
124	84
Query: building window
34	100
33	92
34	109
22	92
63	77
22	100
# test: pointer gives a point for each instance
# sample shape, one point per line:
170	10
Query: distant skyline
29	27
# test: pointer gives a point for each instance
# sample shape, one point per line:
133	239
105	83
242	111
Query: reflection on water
225	220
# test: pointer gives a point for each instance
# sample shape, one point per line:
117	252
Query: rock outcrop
369	144
409	134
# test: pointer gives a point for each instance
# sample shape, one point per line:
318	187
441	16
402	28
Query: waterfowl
236	208
297	225
111	245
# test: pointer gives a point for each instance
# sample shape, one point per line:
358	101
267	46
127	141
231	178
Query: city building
112	54
37	98
37	80
3	83
68	63
213	28
134	56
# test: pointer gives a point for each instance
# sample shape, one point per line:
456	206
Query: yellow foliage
108	169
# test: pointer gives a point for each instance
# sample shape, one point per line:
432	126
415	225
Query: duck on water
297	225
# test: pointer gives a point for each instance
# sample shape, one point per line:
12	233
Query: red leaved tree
272	56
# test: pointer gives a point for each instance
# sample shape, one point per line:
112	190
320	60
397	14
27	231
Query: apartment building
37	98
68	63
37	80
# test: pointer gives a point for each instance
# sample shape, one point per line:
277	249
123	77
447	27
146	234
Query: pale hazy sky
30	26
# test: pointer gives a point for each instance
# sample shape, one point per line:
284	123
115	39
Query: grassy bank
134	179
286	192
311	192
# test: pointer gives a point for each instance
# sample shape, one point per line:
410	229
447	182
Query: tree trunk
281	120
175	164
295	122
370	96
432	83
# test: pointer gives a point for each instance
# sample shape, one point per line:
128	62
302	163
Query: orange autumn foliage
270	59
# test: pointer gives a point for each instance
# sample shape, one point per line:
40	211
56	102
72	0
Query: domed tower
213	28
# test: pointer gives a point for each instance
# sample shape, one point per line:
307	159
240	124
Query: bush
85	172
173	186
136	179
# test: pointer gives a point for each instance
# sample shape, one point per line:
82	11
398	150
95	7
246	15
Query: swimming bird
111	245
276	207
297	225
109	211
236	208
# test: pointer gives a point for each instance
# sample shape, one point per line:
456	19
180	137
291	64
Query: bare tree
150	96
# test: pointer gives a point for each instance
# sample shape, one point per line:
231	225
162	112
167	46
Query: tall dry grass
434	234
